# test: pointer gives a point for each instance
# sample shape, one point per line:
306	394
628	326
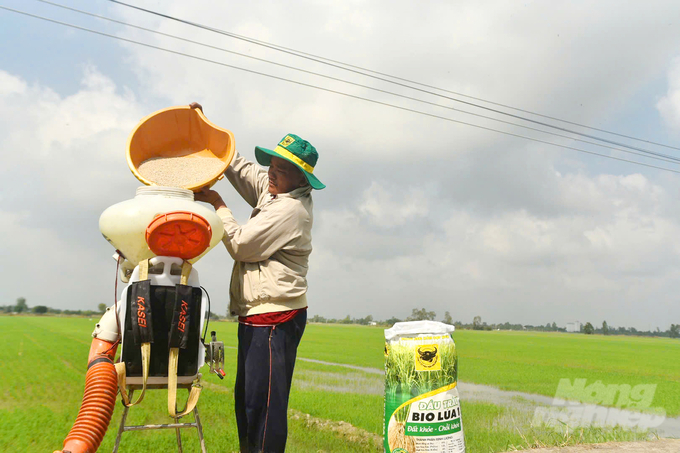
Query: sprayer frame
176	426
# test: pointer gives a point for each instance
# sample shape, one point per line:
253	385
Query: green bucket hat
297	151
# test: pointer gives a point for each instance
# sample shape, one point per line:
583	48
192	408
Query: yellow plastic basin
180	132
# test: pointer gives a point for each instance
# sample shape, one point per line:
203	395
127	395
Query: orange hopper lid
181	234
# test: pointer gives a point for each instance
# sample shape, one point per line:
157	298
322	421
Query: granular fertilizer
180	172
422	408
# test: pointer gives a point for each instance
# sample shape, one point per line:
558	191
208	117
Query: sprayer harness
141	318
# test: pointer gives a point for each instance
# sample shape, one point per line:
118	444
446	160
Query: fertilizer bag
422	409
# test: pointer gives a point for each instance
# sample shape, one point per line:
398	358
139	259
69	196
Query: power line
333	91
332	63
465	95
660	156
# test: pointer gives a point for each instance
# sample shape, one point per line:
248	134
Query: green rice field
332	408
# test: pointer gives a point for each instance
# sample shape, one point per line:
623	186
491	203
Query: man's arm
248	179
263	235
266	233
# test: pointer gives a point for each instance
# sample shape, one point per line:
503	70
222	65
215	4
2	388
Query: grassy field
333	409
531	362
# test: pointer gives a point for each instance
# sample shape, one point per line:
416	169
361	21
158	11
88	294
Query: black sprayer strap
179	331
140	312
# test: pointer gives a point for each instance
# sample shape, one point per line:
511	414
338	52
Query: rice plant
402	377
396	433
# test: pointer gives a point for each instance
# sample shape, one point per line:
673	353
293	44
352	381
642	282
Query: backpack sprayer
162	311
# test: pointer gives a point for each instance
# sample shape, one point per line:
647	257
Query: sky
419	212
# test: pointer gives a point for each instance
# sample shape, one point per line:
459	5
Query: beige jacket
271	250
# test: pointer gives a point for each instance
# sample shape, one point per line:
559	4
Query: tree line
417	314
21	307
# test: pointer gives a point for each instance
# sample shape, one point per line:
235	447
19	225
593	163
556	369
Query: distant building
574	326
372	323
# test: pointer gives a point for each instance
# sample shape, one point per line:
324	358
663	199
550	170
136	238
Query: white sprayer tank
124	224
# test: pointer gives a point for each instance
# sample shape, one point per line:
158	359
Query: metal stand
176	426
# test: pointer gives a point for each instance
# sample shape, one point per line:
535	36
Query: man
268	282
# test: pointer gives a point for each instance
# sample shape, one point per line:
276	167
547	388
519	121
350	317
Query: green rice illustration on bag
422	408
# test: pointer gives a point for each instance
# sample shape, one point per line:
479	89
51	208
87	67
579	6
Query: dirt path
658	446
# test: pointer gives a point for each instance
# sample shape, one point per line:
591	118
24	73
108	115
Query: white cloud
516	266
10	84
386	209
45	265
63	164
418	211
669	105
67	145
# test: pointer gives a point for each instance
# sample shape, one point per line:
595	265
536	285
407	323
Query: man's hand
196	105
209	196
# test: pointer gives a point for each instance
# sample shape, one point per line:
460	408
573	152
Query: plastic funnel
180	132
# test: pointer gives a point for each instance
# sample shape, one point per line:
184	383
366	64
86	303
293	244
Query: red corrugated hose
99	399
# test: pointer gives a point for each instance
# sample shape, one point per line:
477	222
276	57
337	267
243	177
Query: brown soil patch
342	429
